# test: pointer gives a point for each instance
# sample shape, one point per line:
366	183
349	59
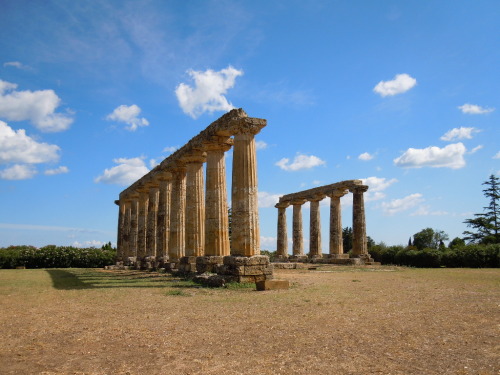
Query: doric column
142	224
282	242
121	230
126	231
359	244
216	215
177	242
336	242
134	226
152	221
195	204
245	233
163	222
315	228
298	238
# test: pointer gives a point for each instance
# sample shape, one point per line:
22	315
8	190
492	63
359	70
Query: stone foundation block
298	258
272	284
338	256
246	261
208	263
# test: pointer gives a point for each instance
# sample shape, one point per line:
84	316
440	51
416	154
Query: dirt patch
334	320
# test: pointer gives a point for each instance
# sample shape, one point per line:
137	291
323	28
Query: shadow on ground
66	279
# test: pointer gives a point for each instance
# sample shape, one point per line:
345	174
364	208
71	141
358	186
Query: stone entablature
314	196
174	214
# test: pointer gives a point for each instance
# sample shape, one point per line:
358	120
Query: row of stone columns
335	244
176	214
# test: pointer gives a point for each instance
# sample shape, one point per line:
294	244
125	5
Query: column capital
338	193
248	126
317	198
282	204
358	189
298	202
165	176
196	156
216	143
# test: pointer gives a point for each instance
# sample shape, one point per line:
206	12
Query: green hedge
473	256
55	257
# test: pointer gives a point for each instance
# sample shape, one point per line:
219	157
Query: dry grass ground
334	320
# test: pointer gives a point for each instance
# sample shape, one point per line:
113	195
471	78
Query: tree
456	242
486	225
429	238
347	239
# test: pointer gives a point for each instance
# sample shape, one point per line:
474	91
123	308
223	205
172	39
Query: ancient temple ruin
336	251
171	218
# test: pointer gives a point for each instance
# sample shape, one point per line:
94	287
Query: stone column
142	225
195	204
121	230
298	238
315	250
245	232
177	243
216	215
336	243
163	219
282	243
152	221
126	232
134	226
359	244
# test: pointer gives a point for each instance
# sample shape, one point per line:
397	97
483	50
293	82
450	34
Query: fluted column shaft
245	231
282	242
195	206
121	230
126	232
315	230
134	227
216	210
142	225
359	241
152	221
298	238
177	241
336	242
163	219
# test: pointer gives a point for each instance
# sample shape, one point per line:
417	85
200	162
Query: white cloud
16	64
260	145
268	243
91	243
300	162
128	115
402	204
38	107
59	170
365	156
208	92
474	109
268	199
171	149
376	187
475	149
497	155
400	84
459	133
451	156
126	172
424	210
18	172
17	147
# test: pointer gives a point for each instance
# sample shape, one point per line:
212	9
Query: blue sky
401	94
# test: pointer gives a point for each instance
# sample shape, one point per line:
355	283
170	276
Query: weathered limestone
359	240
134	227
245	236
125	243
121	231
282	245
298	237
216	209
176	246
315	228
336	247
142	226
152	221
163	218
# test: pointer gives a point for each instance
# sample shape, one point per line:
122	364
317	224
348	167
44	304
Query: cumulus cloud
16	64
376	187
59	170
260	145
128	115
171	149
268	199
459	133
268	243
497	155
38	107
208	92
402	204
300	162
400	84
17	147
126	172
451	156
425	210
18	172
474	109
365	156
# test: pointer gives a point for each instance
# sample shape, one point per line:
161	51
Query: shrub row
473	256
55	257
